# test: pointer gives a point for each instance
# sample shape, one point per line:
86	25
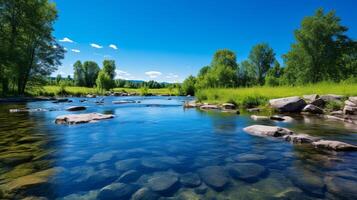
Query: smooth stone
249	157
307	181
229	106
350	110
191	104
215	177
318	102
81	118
341	187
337	112
129	176
128	164
257	117
117	191
300	138
311	97
164	183
353	99
202	189
277	118
189	195
209	107
76	108
154	164
331	97
145	194
101	157
190	180
288	104
249	172
334	145
350	103
263	130
312	109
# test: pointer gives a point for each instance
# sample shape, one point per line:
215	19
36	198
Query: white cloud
172	76
153	74
61	73
122	74
113	46
97	46
66	39
75	50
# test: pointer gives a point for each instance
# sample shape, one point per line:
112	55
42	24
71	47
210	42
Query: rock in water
334	145
318	102
190	180
164	183
145	194
249	172
311	97
306	180
300	138
257	117
209	107
76	108
129	176
340	187
262	130
331	97
288	104
229	106
215	177
116	191
81	118
312	109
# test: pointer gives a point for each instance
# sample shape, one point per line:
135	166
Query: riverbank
259	96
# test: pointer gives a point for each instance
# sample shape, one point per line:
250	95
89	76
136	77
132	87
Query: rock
154	164
257	117
262	130
164	183
311	97
331	97
249	172
145	194
81	118
15	158
76	108
91	96
209	107
334	145
116	191
129	176
249	157
123	102
341	187
61	101
228	106
215	177
253	109
312	109
349	110
83	100
350	103
300	138
101	157
190	180
318	102
202	189
288	104
337	112
353	100
307	181
277	118
24	110
128	164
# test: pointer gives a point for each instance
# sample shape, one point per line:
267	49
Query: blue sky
167	40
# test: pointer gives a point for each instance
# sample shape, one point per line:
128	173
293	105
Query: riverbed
156	149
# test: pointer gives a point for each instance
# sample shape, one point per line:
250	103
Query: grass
255	96
81	91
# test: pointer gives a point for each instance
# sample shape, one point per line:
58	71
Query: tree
79	74
274	74
321	44
261	58
109	68
188	85
91	70
103	81
29	52
58	79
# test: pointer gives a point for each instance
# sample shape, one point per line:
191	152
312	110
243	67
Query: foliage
334	105
109	68
91	70
79	75
104	82
144	91
273	75
188	86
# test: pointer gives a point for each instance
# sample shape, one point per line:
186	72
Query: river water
157	150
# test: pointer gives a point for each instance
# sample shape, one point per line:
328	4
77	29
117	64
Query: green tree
79	74
58	79
261	58
274	74
103	81
109	68
320	45
91	70
188	85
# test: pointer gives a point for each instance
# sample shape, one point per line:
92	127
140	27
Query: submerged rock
190	180
145	194
301	138
116	191
334	145
76	108
164	183
306	180
129	176
288	104
341	187
123	102
249	157
249	172
215	177
312	109
128	164
81	118
262	130
101	157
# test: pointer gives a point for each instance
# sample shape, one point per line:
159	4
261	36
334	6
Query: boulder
91	96
306	180
209	107
190	180
249	172
312	109
128	164
257	117
262	130
145	194
277	118
311	97
300	138
253	109
191	104
215	177
353	100
76	108
228	106
318	102
116	191
81	118
334	145
337	112
331	97
288	104
129	176
350	103
61	101
164	183
341	187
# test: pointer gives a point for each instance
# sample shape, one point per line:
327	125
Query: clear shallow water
181	154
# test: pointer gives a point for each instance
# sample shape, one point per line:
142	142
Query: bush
334	105
253	101
144	91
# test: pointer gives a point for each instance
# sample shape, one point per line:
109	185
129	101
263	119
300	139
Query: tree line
321	52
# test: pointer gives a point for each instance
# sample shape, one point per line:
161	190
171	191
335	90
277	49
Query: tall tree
319	47
109	68
91	70
79	74
261	58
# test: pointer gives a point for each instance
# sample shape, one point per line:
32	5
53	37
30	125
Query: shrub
253	101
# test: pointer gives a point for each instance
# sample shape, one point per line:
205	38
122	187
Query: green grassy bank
255	96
